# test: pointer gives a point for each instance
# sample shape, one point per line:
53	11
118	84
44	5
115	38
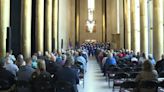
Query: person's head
11	52
54	51
53	58
147	65
34	57
162	56
40	53
64	57
7	54
69	61
7	60
76	53
72	52
80	53
47	55
59	53
41	65
28	61
20	57
105	54
110	55
150	56
143	55
20	63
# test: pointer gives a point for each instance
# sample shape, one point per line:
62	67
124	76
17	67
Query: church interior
81	45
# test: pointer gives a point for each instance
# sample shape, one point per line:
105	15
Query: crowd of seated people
51	67
145	66
59	66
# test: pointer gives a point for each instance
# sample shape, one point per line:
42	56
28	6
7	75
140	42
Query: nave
94	79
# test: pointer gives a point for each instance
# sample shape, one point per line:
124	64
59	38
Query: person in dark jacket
160	65
41	80
52	66
68	74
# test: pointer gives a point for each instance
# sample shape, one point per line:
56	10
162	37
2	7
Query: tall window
91	4
90	21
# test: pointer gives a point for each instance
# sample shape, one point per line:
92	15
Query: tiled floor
94	79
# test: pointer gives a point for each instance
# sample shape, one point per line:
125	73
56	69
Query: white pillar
158	28
4	23
26	11
127	24
48	25
39	25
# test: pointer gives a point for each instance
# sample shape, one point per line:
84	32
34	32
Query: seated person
41	79
142	58
24	75
110	60
19	60
34	61
63	59
68	74
82	60
59	57
11	56
52	66
160	65
6	75
25	70
10	66
85	55
148	73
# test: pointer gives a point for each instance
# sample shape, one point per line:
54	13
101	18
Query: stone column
121	17
103	20
39	25
26	11
127	24
150	26
4	23
48	25
77	21
144	26
55	24
158	28
135	28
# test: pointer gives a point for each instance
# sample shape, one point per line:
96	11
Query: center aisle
94	79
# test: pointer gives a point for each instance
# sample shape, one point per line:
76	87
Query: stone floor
94	79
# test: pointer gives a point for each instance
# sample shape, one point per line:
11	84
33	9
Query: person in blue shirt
82	60
110	60
34	62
